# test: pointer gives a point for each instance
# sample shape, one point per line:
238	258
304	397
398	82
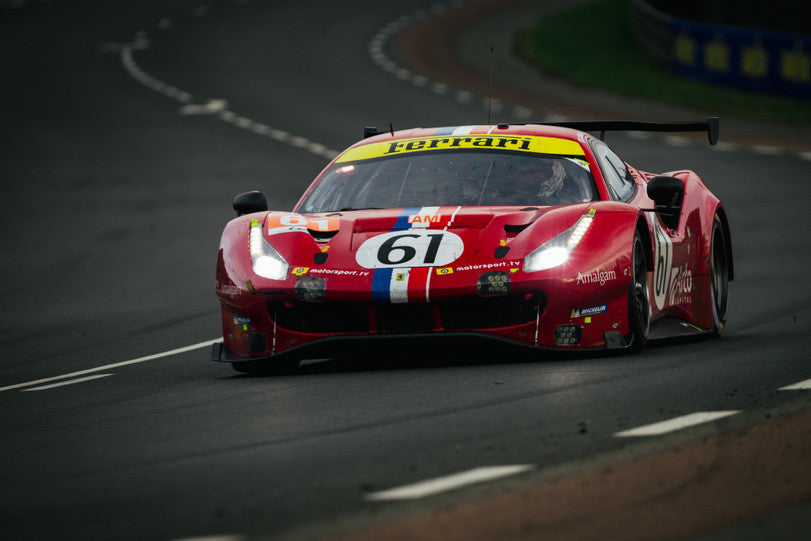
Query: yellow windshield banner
521	143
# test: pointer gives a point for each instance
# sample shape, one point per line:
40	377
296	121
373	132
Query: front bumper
420	347
417	346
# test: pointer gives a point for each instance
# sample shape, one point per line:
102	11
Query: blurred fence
770	61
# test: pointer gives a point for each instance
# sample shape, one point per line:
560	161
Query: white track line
69	382
801	386
111	366
213	538
678	423
451	482
218	107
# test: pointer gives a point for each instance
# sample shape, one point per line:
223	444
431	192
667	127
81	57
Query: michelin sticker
591	311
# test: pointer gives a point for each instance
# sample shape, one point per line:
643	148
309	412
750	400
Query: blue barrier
763	61
758	60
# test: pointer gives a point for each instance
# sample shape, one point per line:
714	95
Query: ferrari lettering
410	249
517	143
596	277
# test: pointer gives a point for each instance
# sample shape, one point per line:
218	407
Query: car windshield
469	178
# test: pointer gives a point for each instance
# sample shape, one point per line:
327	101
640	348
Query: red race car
533	235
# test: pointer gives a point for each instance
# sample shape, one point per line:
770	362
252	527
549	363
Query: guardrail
759	60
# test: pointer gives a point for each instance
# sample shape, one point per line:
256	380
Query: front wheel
638	299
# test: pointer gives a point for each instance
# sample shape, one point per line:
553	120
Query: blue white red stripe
455	130
382	278
391	285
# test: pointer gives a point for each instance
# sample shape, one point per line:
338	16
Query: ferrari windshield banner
519	143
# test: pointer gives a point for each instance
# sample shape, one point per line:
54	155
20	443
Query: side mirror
667	193
248	202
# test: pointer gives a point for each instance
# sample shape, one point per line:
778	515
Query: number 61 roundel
410	248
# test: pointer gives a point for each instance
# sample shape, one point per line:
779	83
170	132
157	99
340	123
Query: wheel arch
643	229
720	211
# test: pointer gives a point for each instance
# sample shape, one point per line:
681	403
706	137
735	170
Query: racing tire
719	276
639	310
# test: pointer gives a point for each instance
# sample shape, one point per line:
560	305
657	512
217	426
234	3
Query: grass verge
592	45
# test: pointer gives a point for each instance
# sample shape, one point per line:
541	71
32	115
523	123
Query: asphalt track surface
115	190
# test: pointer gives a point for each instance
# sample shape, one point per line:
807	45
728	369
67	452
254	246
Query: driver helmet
542	177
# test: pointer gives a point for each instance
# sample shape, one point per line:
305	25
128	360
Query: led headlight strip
557	251
265	259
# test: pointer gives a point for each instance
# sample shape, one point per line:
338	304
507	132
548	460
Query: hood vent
322	236
516	228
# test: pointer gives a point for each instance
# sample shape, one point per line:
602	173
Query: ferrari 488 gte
533	235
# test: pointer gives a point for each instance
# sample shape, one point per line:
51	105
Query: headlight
557	251
266	260
546	257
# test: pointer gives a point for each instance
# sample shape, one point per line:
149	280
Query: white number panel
410	248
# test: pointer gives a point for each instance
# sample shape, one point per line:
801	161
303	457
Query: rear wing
602	126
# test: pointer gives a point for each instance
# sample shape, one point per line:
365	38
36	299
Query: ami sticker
411	248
